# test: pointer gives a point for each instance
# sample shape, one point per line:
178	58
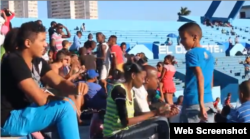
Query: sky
149	10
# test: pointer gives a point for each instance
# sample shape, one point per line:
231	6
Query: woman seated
120	122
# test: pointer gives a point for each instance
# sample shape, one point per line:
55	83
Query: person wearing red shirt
7	15
117	52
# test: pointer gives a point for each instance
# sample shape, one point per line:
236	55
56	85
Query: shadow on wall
227	83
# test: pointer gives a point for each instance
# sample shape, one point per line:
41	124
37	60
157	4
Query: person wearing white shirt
151	82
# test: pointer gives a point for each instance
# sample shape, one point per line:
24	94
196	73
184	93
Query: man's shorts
104	73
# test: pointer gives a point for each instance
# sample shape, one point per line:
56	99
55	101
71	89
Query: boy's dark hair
90	35
62	54
10	42
123	43
192	28
229	94
28	30
79	32
64	43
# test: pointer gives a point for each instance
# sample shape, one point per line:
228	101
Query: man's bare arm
212	82
57	82
68	33
200	82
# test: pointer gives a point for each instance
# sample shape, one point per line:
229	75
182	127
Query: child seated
96	96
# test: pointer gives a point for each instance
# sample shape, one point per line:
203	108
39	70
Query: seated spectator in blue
242	114
96	96
76	41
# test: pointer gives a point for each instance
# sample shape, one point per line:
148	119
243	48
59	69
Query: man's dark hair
53	22
99	33
113	36
88	44
37	21
28	30
79	32
123	43
10	41
90	35
62	54
229	94
191	28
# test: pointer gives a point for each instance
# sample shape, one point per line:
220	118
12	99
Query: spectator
96	96
247	68
88	59
232	32
51	32
216	102
168	42
76	42
240	114
120	107
236	39
124	48
223	31
227	101
7	15
66	44
57	37
19	81
117	53
83	27
230	43
166	78
103	59
90	37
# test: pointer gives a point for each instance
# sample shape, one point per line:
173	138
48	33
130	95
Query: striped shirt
58	40
242	114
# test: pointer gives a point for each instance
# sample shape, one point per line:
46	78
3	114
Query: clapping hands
168	110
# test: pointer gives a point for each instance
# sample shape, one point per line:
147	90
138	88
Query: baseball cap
92	73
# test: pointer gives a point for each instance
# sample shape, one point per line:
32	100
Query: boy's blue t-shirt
198	57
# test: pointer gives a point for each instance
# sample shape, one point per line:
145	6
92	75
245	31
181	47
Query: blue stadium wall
152	50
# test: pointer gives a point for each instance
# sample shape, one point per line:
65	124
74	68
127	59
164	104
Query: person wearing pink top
168	88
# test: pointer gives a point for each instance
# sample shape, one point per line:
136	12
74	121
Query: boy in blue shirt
96	96
198	100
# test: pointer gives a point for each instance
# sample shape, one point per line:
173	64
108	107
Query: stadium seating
149	37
